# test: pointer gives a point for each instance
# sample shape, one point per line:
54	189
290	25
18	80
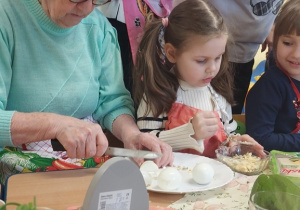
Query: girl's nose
210	68
296	52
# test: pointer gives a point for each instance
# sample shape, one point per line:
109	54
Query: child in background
129	18
181	81
273	103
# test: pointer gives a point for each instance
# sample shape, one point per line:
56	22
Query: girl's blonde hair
287	21
152	79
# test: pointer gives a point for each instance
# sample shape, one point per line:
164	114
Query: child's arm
181	137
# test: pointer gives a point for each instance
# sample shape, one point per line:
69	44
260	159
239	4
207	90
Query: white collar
186	86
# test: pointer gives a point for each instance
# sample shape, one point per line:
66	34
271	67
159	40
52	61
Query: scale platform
117	185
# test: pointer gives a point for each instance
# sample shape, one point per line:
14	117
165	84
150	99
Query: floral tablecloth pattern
234	195
13	161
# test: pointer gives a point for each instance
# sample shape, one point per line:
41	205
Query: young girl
181	81
273	103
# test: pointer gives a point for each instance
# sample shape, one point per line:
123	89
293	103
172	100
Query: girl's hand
205	124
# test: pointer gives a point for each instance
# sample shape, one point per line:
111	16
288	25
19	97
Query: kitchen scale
117	185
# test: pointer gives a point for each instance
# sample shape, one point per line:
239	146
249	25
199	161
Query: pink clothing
181	114
138	13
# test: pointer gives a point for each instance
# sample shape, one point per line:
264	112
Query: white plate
185	164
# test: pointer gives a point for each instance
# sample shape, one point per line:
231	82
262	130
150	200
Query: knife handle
57	146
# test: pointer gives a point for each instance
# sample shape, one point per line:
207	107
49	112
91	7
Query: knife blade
115	151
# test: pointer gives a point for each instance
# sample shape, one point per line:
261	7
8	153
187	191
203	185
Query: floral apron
180	114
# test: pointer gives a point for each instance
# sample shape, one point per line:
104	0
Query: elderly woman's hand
125	129
81	139
147	141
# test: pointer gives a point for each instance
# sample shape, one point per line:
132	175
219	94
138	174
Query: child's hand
205	124
257	148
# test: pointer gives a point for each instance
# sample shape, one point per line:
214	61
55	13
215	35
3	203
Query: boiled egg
147	178
149	171
169	179
203	173
150	167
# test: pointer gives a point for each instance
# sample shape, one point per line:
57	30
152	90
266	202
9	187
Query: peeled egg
169	179
150	167
149	171
147	178
203	173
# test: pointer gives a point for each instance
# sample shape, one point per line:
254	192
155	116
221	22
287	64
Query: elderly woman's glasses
95	2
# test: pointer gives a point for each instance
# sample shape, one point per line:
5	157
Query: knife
115	151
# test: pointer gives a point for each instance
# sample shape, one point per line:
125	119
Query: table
234	195
62	189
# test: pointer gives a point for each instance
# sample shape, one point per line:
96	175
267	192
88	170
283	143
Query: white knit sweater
204	98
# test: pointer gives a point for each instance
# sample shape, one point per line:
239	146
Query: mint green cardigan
73	71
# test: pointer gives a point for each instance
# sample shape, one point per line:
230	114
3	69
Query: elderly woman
60	63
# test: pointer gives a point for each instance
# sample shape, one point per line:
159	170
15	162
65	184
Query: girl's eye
287	43
218	58
201	61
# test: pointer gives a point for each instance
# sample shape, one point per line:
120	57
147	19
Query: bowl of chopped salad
243	159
